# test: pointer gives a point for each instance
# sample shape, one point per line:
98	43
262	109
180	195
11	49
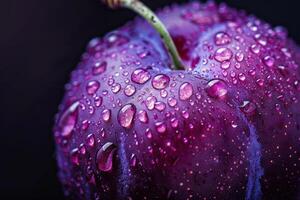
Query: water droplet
98	101
133	160
144	54
185	114
92	87
150	102
223	54
160	106
260	82
163	93
85	124
222	38
106	115
255	48
248	107
90	140
160	127
239	56
140	76
216	88
116	39
225	65
269	61
75	156
172	102
68	120
185	91
129	90
126	115
115	88
242	77
143	116
160	81
174	122
148	133
99	67
105	156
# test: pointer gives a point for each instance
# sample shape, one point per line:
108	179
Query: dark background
40	43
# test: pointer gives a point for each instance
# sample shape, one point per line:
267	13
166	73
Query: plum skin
228	128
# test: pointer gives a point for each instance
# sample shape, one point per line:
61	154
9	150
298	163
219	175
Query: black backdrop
40	43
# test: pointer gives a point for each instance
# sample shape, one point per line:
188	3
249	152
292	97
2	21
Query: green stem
151	17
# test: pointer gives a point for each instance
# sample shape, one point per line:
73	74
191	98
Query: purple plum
227	126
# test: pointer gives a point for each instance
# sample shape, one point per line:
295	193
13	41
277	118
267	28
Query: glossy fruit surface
228	127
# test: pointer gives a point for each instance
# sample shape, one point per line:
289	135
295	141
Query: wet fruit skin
227	128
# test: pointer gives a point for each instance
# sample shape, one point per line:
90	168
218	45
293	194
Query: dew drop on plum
75	156
163	93
160	81
222	38
98	101
150	102
248	108
185	91
140	76
133	160
255	49
174	122
105	156
148	133
129	90
172	102
106	113
143	116
92	87
160	127
239	56
216	88
90	140
225	65
223	54
160	106
115	88
126	115
269	61
68	120
99	67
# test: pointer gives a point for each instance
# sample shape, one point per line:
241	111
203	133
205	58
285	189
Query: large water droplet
185	91
105	156
223	54
160	81
92	87
140	76
126	115
68	120
222	38
216	88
